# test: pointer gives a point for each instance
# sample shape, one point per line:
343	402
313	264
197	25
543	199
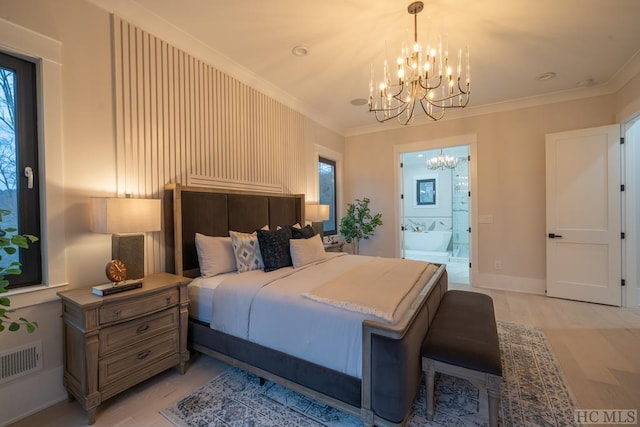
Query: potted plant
359	223
10	242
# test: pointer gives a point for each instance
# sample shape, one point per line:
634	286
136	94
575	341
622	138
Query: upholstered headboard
191	210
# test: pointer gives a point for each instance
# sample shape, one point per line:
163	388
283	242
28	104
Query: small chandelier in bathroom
442	162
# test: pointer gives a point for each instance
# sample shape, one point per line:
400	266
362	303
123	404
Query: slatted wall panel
177	115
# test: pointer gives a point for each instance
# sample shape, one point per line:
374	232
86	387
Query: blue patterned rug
533	394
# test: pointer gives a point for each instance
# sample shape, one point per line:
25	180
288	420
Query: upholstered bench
463	341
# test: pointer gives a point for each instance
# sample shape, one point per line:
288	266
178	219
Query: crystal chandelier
424	77
442	162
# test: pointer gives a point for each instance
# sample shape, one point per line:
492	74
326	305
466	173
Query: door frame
631	213
469	139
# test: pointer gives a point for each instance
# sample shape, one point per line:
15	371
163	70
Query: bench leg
493	392
430	374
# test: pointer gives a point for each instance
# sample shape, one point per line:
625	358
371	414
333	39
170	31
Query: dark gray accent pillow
274	248
302	233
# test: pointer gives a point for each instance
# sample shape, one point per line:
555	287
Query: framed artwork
426	192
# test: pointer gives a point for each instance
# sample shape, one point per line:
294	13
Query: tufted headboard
191	210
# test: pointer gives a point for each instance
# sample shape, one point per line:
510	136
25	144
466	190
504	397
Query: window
327	189
19	189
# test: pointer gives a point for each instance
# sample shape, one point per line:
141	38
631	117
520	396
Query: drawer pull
116	313
142	355
142	329
168	300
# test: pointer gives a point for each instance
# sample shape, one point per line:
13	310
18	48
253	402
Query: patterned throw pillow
274	247
246	251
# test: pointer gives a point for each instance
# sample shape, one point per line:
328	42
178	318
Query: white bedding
201	291
269	309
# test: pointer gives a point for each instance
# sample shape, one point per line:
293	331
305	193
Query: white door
583	215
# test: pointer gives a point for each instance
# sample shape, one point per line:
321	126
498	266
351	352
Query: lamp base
129	248
318	227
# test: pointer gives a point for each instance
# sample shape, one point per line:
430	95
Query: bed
384	383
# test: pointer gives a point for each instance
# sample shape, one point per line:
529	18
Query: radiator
20	361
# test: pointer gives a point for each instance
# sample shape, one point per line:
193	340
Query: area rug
533	394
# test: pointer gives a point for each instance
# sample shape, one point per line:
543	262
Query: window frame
334	165
27	149
46	53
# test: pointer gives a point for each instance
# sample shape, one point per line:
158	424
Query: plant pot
356	246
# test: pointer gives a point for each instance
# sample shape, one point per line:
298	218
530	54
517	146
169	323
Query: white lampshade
124	215
316	213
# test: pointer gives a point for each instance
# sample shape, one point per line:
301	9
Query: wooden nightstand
113	342
333	247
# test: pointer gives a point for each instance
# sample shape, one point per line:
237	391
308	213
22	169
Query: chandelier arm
439	102
396	95
429	88
410	116
397	111
467	87
397	108
430	115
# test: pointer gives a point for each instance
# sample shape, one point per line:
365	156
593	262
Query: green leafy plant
359	223
10	242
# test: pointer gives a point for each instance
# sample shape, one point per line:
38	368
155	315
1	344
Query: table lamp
316	214
126	219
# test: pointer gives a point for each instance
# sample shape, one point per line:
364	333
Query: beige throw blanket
376	287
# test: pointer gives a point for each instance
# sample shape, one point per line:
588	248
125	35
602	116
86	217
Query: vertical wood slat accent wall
178	116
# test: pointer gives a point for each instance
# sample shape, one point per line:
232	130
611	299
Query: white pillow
215	255
246	251
305	251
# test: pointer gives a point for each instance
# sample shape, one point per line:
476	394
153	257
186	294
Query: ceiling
587	43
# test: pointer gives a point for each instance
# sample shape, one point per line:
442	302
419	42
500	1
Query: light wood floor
598	348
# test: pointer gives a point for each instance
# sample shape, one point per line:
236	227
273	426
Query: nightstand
333	247
114	342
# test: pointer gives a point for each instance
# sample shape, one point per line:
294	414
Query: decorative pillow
274	247
296	225
215	255
302	233
305	251
246	251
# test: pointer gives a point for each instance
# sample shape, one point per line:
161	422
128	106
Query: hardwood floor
597	347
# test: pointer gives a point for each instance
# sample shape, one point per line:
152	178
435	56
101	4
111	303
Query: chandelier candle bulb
440	55
371	86
468	68
446	47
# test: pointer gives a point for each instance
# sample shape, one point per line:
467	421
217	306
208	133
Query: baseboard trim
511	283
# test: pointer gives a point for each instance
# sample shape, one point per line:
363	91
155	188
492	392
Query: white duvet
269	309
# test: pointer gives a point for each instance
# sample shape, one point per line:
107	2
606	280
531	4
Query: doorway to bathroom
435	208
